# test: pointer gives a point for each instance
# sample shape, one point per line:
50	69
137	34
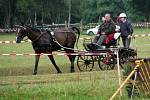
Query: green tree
57	11
142	7
7	12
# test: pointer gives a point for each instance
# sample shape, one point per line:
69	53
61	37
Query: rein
37	37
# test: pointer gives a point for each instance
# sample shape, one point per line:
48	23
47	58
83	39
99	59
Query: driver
105	29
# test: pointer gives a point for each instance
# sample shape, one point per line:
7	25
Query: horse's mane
34	29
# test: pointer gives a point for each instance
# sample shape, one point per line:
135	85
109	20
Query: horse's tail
78	32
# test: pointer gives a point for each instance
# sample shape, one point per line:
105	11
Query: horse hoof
34	73
72	70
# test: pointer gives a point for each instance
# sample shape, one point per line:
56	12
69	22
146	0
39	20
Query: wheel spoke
90	68
81	58
85	67
82	65
85	63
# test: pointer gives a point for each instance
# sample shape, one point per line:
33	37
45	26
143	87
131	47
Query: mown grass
78	86
15	73
57	91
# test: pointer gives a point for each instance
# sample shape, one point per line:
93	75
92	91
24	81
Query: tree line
57	11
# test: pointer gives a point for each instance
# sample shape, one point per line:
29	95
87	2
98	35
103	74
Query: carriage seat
109	38
109	41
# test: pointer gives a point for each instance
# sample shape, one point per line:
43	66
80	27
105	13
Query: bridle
28	34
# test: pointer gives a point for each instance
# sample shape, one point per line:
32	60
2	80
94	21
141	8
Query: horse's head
21	33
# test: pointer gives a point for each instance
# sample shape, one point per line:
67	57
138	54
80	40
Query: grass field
17	83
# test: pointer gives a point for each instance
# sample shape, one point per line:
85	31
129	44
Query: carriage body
105	57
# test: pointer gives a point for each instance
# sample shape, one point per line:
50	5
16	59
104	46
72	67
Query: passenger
126	30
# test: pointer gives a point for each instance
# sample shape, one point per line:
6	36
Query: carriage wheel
85	63
124	56
106	63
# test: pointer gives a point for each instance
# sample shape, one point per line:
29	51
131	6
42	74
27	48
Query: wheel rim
85	63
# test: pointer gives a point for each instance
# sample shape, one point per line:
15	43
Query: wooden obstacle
142	78
138	78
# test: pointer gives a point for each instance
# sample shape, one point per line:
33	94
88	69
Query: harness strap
38	36
53	37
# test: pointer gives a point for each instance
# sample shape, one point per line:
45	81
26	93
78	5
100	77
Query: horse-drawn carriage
47	41
105	57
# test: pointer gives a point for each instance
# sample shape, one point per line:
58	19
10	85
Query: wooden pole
81	25
133	87
65	24
122	84
69	13
119	72
35	23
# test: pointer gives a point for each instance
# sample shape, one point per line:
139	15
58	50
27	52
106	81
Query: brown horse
43	41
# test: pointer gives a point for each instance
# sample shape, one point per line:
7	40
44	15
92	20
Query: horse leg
72	59
37	57
54	63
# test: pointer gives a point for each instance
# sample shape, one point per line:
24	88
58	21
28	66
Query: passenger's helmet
122	15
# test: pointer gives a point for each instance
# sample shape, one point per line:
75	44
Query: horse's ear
22	27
